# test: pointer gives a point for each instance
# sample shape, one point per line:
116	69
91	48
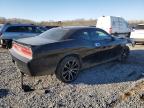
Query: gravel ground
104	86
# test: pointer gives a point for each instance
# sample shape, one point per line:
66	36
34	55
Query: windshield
55	34
139	27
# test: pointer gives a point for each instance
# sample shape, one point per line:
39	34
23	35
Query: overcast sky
45	10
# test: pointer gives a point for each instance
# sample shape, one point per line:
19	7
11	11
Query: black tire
68	69
124	54
9	44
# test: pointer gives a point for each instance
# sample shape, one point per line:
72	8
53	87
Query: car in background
1	25
64	51
50	27
116	26
137	33
42	28
15	31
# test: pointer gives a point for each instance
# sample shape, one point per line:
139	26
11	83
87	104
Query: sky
57	10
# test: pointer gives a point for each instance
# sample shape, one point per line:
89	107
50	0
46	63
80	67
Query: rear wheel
124	54
68	69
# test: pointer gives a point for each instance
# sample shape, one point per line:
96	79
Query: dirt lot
104	86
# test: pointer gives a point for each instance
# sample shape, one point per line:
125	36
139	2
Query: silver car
8	32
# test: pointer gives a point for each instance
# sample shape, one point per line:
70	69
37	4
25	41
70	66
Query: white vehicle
114	25
138	33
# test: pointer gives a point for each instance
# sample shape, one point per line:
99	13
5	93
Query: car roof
11	24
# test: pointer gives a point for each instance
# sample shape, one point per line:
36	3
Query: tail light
110	30
22	50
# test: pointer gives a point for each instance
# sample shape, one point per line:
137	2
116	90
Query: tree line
77	22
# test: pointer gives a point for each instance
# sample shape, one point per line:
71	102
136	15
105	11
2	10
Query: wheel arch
68	55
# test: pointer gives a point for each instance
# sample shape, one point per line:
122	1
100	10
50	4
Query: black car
64	51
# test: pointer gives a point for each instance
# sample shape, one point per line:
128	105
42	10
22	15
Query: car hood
35	41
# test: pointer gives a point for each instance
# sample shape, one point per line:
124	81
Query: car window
26	29
36	30
55	34
12	29
99	35
40	29
82	34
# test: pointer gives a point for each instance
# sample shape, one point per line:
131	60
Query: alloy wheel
70	70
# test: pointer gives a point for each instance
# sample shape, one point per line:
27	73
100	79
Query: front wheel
6	44
68	69
124	54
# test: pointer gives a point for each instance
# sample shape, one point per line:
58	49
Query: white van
138	33
114	25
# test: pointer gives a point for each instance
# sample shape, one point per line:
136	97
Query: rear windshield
55	34
139	27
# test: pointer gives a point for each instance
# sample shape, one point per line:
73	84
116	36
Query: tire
124	54
68	69
7	44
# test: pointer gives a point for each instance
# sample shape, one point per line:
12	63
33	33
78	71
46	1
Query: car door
86	46
104	45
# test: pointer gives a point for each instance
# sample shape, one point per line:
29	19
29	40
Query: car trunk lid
34	41
26	46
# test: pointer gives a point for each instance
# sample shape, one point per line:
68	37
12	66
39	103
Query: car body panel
47	55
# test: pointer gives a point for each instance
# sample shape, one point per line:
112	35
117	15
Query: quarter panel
48	56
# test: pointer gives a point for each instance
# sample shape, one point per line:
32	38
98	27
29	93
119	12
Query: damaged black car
64	51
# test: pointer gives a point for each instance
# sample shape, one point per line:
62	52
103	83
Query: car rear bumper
32	67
